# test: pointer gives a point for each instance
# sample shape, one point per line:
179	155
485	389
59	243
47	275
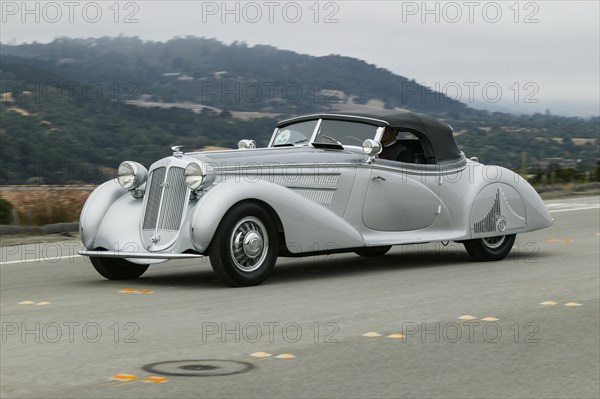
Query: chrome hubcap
494	242
253	244
249	244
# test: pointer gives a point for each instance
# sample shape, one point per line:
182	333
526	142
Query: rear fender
509	206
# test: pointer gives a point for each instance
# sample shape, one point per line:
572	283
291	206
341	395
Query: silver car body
328	198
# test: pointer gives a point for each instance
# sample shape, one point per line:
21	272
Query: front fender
308	226
95	208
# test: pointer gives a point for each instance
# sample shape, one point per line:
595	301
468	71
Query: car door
401	197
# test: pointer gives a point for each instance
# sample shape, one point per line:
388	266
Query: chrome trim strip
136	255
333	116
411	169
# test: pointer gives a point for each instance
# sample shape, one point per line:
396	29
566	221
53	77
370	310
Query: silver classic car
326	183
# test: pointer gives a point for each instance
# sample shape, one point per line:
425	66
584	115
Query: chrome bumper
136	255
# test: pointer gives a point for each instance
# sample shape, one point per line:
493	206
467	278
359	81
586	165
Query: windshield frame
377	135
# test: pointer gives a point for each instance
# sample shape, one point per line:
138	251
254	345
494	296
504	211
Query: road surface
423	321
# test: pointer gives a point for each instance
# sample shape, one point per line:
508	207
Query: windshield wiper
332	139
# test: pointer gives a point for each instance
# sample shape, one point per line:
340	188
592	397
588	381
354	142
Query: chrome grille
166	199
153	201
173	200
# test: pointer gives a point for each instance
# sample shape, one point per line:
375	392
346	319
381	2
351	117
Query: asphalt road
66	332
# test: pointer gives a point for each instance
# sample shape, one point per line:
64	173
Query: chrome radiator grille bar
153	202
174	199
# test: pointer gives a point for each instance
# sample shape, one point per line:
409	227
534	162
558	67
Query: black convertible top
438	134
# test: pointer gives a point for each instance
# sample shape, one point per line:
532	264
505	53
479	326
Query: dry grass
38	207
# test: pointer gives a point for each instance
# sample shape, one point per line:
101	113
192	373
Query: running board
136	255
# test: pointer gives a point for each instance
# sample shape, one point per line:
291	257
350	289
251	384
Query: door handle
379	178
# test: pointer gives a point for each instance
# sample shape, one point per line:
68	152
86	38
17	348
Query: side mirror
246	144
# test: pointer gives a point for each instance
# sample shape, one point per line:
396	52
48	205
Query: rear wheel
372	252
490	248
117	269
244	249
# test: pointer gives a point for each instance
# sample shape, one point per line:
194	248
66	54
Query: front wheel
490	248
244	248
117	269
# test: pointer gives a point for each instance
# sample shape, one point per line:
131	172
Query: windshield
295	134
330	132
345	132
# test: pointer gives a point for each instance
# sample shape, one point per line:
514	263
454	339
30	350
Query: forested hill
68	102
236	76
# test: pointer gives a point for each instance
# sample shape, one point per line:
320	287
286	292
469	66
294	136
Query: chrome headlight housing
131	175
195	175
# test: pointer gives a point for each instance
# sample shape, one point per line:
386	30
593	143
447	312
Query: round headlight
131	175
194	176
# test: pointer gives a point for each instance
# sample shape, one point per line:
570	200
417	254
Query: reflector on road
123	377
156	379
261	354
572	304
285	356
395	336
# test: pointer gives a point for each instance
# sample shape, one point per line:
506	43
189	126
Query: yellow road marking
260	354
371	334
134	291
123	377
285	356
489	318
156	379
26	303
395	336
43	303
572	304
563	240
548	303
467	317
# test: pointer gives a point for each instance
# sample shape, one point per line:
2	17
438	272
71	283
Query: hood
281	156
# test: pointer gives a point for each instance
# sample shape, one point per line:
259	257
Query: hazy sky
523	56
